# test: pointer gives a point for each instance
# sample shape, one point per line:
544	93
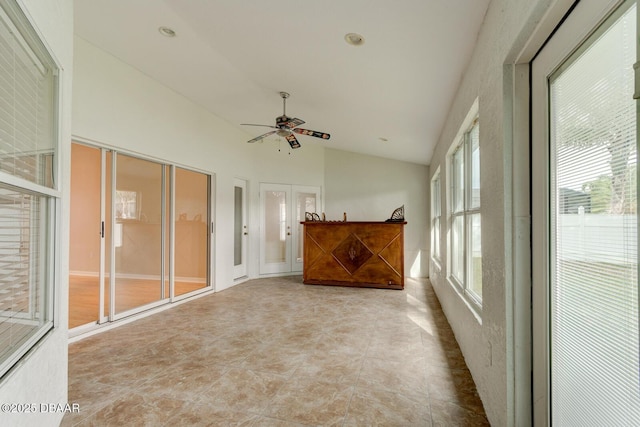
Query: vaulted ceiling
388	97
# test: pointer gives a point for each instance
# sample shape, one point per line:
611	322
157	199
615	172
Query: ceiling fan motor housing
282	121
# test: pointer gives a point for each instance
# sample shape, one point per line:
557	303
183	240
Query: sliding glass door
585	158
139	227
137	233
191	226
85	235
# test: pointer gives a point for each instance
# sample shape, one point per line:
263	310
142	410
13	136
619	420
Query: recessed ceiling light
354	39
167	32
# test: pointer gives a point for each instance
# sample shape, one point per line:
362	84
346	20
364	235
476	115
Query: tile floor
275	352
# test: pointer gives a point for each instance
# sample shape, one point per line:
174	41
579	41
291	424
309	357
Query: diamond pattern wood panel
365	254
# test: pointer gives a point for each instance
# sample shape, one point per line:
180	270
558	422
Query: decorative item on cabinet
397	215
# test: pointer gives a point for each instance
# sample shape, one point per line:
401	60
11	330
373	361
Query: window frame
43	276
462	210
436	218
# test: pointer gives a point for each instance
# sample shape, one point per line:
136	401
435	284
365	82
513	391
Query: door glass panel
84	237
240	232
594	284
191	206
306	202
237	225
275	208
137	233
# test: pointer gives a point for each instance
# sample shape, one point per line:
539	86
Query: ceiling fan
286	127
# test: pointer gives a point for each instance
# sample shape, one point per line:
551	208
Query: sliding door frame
103	218
172	235
108	315
580	24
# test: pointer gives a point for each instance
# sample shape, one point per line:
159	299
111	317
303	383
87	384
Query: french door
139	234
584	211
282	208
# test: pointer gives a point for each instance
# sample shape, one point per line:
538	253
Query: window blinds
21	312
594	284
27	152
26	105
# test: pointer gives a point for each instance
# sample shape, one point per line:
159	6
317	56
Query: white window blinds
26	105
594	284
27	207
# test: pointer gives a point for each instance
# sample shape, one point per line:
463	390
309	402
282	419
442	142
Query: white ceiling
233	57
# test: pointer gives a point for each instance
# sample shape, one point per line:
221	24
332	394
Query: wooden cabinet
364	254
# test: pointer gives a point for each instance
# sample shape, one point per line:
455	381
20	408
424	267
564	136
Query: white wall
117	106
369	188
489	344
41	376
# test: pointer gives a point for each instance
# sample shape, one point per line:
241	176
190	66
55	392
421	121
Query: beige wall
370	188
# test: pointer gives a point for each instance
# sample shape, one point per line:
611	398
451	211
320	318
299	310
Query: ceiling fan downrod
284	96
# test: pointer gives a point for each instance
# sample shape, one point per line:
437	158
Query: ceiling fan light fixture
354	39
167	32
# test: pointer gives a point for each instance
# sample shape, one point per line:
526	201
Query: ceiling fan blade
312	133
251	124
258	138
293	142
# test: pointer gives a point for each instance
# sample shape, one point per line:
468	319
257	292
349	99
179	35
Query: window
127	206
435	217
465	247
28	194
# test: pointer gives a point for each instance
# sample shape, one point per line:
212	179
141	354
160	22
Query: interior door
306	199
283	207
240	230
584	216
275	241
